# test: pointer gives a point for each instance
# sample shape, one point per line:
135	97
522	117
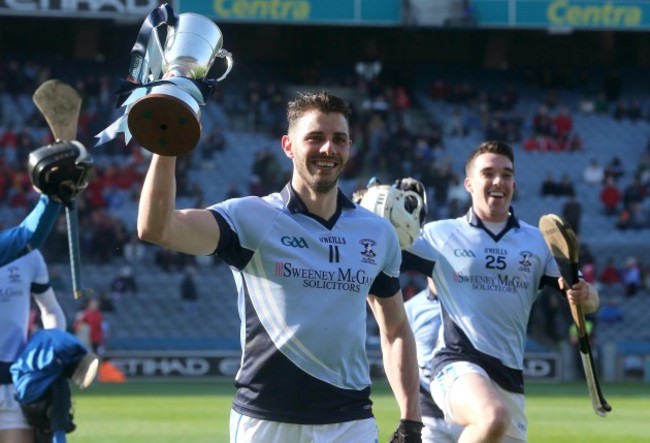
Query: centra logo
294	242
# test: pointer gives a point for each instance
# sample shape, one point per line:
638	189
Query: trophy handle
222	53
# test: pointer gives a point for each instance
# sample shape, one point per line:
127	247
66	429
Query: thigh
464	392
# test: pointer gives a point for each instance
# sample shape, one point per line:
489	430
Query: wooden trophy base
164	124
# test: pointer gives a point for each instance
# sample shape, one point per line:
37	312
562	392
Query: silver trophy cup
167	120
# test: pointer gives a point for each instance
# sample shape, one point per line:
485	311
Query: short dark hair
490	147
321	101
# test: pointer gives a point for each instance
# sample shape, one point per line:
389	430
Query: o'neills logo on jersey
332	240
339	280
490	283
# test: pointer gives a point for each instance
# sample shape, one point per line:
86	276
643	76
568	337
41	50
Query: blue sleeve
31	233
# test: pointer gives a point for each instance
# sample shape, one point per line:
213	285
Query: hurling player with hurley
488	267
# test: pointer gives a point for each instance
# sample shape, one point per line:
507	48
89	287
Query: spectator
611	311
549	186
188	288
614	169
633	216
124	283
134	250
90	321
593	174
572	212
610	197
575	143
232	191
610	274
105	302
563	123
565	186
542	122
631	277
634	193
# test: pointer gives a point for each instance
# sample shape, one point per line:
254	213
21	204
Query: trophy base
164	124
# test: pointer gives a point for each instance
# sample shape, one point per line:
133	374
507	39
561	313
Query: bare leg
480	408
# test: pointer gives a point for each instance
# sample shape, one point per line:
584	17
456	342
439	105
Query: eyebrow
491	168
339	134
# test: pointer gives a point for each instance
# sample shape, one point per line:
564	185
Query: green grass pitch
172	412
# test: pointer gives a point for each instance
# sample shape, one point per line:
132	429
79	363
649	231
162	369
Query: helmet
60	169
404	209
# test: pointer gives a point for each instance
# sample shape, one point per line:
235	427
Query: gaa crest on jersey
525	260
14	275
368	254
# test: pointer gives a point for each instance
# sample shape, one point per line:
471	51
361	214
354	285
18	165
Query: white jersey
302	285
18	280
423	314
486	284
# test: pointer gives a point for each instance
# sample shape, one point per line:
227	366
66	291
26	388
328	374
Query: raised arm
31	233
191	231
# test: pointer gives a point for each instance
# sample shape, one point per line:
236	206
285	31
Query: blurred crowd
387	144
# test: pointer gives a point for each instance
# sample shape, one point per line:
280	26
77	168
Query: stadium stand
154	318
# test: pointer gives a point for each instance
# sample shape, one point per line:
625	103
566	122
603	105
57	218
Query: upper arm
192	231
52	314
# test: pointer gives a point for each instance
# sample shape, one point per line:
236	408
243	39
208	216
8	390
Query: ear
287	146
468	184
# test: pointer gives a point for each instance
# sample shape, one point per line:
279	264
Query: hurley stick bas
60	105
563	243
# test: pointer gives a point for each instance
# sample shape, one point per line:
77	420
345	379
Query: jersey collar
295	205
475	221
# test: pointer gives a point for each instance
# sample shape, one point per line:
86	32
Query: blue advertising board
343	12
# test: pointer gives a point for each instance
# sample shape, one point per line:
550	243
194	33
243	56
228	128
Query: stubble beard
318	184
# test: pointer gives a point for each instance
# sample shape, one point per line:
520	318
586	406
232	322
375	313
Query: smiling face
319	145
491	182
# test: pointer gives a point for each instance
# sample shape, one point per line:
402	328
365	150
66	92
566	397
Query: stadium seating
156	317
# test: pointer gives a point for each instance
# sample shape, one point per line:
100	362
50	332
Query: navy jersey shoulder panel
229	248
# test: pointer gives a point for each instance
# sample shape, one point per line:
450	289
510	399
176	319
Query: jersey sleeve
241	223
31	233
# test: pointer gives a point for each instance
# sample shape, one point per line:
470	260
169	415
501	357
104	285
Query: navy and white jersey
302	285
18	280
423	314
486	284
